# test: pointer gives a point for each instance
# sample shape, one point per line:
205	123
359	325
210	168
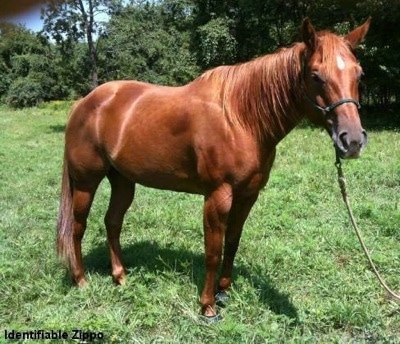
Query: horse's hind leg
83	194
122	193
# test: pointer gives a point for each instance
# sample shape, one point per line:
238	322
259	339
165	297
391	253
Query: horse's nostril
343	140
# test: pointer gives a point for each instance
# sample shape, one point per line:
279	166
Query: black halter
334	105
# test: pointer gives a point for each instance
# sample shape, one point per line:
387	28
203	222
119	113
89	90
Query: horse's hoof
81	283
221	298
120	280
210	320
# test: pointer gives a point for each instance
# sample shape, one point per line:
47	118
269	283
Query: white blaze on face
340	62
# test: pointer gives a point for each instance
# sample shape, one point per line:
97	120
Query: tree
88	42
26	66
145	42
71	21
217	45
382	52
243	29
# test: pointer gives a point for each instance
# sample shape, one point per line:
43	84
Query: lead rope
342	184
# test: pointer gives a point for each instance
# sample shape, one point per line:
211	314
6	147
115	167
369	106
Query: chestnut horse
215	136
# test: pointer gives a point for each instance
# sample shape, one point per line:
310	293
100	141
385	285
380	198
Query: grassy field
300	275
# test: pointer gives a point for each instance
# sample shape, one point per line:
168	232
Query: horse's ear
308	34
356	36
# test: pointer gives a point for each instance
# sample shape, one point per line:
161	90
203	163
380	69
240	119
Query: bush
24	92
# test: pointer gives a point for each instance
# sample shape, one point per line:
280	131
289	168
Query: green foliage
172	41
139	45
25	92
27	64
217	46
299	277
5	80
72	21
73	70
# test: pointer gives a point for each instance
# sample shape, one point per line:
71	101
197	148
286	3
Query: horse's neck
274	136
263	96
281	94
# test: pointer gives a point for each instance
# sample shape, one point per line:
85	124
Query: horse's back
103	96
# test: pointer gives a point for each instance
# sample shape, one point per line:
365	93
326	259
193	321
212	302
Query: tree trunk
92	46
88	20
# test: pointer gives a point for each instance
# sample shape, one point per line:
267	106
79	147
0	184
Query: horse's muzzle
350	144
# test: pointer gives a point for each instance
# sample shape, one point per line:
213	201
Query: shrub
24	92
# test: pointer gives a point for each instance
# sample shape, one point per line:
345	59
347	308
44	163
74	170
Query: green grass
300	276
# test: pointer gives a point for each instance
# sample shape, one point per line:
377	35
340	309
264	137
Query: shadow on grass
150	256
57	128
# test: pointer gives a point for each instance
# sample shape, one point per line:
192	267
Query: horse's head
331	77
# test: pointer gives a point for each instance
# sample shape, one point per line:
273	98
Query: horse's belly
174	171
170	182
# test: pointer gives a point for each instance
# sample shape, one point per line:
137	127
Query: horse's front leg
240	210
216	210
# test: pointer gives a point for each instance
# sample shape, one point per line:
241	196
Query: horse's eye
317	78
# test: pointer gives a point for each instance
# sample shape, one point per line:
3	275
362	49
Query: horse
215	136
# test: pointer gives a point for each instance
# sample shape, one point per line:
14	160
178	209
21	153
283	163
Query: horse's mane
264	95
259	94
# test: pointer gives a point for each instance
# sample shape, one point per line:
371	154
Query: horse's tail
65	243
